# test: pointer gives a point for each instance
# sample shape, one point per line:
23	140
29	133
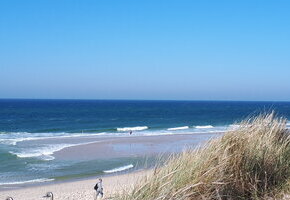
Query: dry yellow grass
251	162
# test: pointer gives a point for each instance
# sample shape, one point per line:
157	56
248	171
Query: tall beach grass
250	162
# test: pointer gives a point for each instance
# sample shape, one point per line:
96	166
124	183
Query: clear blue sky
150	49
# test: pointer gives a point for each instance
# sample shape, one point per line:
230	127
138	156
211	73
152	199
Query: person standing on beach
99	188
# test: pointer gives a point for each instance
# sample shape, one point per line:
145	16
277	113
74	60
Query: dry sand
77	190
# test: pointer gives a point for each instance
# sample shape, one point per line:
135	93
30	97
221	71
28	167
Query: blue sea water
24	123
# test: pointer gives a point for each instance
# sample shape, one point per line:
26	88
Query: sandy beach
77	190
102	148
134	146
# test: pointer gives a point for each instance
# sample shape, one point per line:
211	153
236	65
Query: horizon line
91	99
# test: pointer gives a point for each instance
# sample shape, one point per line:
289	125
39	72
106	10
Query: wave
136	128
14	141
234	126
13	138
119	169
204	127
44	153
178	128
41	180
42	136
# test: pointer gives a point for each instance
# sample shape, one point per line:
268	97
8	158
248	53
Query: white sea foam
14	138
14	141
178	128
234	126
44	153
204	127
29	181
42	136
136	128
119	169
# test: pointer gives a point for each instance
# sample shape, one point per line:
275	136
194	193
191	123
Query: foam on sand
119	169
178	128
41	180
136	128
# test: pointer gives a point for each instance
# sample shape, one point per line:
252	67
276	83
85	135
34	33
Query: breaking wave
44	153
204	127
119	169
136	128
178	128
25	136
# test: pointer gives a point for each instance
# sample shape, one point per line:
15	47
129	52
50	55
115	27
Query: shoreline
78	189
68	180
114	147
138	148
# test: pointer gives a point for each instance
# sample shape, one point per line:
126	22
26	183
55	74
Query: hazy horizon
189	100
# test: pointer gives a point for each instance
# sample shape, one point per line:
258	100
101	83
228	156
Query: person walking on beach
99	188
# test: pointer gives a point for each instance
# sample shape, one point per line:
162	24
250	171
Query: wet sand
131	146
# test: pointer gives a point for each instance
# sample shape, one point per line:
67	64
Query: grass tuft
250	162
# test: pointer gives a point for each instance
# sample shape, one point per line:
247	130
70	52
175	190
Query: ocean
32	131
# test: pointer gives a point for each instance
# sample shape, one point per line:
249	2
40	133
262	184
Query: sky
150	49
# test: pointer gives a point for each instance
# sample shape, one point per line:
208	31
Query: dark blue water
31	131
44	116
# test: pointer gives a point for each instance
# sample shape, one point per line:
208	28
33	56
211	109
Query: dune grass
250	162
